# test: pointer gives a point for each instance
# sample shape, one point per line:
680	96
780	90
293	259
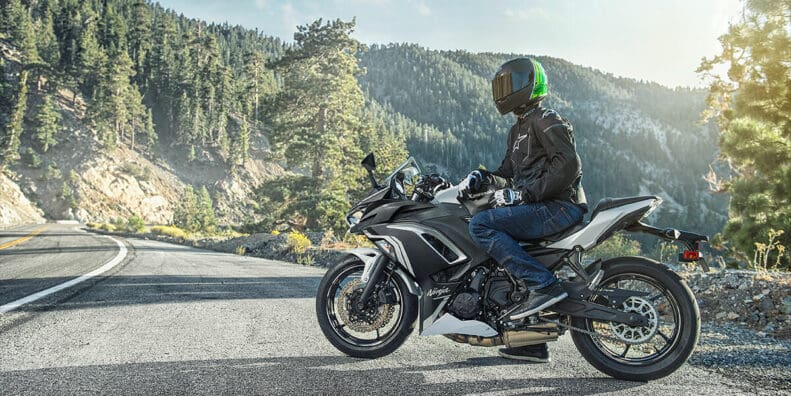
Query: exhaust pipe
510	339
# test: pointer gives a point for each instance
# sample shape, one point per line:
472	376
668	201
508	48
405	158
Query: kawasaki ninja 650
630	317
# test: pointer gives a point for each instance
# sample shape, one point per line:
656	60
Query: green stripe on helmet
540	84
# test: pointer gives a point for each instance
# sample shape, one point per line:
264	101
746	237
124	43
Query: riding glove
472	182
506	197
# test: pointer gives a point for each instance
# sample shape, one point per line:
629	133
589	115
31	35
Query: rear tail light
689	255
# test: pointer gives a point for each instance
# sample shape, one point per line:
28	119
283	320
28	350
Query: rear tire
329	326
683	343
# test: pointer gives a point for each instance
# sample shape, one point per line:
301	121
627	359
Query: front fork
371	276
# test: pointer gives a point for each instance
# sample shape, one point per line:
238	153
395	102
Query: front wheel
641	353
369	329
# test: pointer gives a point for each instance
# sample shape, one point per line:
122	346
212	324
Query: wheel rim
343	329
646	345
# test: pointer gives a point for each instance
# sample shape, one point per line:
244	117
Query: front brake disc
370	319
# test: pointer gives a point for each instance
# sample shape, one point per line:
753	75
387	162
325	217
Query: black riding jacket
541	159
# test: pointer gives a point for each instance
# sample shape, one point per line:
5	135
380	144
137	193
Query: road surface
171	319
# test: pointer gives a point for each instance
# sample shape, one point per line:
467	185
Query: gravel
738	352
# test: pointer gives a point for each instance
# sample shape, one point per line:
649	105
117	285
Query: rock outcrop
759	300
15	208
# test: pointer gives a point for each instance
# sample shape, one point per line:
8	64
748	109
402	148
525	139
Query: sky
653	40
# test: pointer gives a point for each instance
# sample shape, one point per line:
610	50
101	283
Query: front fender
368	256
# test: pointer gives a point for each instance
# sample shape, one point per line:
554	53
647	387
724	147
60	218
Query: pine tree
185	215
184	120
151	133
753	109
91	57
9	149
239	141
140	41
5	96
244	141
47	42
24	36
47	121
116	109
317	117
207	218
118	91
257	82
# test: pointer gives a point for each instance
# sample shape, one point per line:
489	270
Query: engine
468	304
498	290
493	291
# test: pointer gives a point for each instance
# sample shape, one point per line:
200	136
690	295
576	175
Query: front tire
677	301
353	343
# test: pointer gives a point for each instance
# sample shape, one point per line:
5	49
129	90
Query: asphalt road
177	320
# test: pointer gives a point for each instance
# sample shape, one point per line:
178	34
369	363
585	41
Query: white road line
54	289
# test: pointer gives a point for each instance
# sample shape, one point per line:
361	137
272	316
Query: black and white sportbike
630	317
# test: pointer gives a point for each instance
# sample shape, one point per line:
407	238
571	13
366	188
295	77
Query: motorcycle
632	318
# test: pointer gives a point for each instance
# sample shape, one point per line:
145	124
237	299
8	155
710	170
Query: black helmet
518	82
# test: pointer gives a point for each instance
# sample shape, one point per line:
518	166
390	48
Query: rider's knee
479	224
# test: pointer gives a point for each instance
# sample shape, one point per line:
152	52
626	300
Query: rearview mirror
369	162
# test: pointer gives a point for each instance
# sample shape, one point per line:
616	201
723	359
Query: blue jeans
498	231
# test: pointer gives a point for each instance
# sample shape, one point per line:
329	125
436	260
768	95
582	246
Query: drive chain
593	334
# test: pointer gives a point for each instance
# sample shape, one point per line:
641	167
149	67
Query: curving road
177	320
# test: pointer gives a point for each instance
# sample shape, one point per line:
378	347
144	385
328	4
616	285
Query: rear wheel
641	353
370	329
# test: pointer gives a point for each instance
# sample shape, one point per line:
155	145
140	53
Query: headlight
354	218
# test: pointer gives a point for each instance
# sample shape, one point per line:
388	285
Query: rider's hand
506	197
472	182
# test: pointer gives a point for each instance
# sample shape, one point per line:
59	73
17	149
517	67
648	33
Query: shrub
119	223
138	172
761	261
297	242
195	212
52	173
617	246
171	231
32	158
74	178
306	259
135	224
107	227
275	232
65	191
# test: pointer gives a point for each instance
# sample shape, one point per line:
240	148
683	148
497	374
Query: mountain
111	108
634	137
138	102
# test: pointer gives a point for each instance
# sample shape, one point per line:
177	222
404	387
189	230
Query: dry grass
170	231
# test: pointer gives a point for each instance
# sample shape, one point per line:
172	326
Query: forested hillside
155	101
633	137
151	101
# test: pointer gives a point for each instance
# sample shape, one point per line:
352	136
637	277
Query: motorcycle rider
539	190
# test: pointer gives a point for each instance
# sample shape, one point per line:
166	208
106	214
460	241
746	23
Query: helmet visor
508	82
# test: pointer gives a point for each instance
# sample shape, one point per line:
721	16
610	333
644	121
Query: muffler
510	339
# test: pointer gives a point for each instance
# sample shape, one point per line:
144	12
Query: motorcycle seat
609	203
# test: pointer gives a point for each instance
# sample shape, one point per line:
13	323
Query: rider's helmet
519	82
